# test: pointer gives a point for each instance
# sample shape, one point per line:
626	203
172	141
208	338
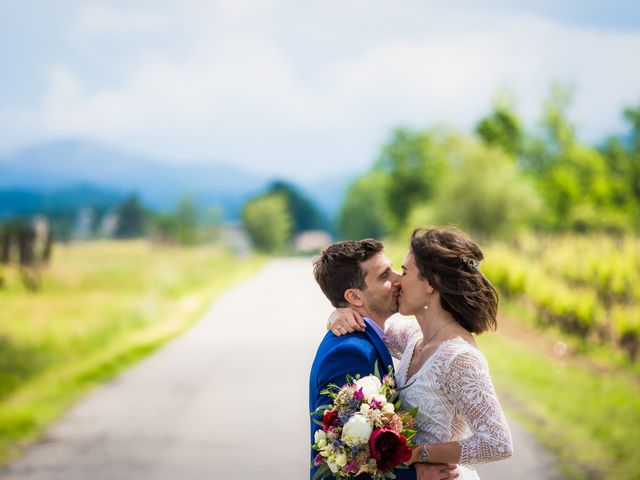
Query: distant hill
71	173
56	166
21	202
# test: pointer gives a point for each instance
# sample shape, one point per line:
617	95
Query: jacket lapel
383	352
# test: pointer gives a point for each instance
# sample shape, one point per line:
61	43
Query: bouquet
363	429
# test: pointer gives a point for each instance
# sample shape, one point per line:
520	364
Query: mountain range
67	172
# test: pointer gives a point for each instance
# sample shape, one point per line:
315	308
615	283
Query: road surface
226	400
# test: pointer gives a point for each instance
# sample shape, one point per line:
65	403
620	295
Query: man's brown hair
337	268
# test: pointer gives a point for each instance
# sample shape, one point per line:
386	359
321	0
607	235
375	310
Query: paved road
226	400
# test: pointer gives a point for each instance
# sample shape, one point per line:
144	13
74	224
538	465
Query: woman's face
413	288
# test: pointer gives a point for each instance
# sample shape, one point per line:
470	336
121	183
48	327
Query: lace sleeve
469	385
398	332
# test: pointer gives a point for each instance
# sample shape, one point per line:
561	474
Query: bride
459	417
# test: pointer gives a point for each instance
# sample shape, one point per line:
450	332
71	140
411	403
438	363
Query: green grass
590	422
102	307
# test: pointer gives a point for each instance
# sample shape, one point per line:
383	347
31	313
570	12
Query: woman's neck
433	319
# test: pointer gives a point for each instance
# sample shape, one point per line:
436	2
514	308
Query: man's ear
354	298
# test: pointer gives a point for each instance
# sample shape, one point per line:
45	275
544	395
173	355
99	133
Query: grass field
578	395
587	415
102	306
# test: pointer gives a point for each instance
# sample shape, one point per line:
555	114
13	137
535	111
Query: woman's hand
435	471
345	320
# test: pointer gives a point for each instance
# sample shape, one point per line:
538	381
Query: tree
557	133
304	214
268	223
623	157
186	221
413	165
575	180
485	194
131	218
502	127
364	211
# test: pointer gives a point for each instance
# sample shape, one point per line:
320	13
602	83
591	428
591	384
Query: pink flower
358	395
375	404
318	460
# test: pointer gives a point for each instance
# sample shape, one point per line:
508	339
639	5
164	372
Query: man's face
381	295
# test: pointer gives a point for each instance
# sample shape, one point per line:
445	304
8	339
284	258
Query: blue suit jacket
350	354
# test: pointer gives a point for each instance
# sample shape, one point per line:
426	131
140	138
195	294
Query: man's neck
378	320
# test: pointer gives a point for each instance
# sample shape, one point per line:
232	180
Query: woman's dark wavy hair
450	261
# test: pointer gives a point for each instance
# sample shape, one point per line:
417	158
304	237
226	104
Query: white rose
319	435
321	443
370	386
341	460
333	467
357	430
364	409
388	408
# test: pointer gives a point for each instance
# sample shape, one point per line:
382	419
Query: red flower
330	420
389	448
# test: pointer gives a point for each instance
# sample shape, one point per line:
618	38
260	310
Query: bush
507	271
585	285
268	222
626	322
485	194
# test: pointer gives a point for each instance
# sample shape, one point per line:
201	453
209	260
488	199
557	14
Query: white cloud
244	87
101	19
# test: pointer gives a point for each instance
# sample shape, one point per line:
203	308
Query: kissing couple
441	372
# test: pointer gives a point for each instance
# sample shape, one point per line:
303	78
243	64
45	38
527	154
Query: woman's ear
429	288
354	298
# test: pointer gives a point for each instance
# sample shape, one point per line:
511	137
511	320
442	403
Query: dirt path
227	400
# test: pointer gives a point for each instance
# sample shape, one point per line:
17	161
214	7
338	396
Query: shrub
267	222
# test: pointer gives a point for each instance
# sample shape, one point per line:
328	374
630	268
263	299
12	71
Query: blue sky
299	88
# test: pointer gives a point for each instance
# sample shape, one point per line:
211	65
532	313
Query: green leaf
317	422
399	389
413	412
322	469
408	434
376	371
322	408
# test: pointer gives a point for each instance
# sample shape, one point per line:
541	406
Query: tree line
502	178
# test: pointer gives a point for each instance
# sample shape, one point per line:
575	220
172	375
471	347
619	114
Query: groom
359	275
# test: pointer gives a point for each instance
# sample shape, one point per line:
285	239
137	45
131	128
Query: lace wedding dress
454	394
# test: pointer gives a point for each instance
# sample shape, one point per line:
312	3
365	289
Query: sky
301	89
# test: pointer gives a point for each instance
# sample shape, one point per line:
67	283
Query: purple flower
318	460
352	466
358	395
375	404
